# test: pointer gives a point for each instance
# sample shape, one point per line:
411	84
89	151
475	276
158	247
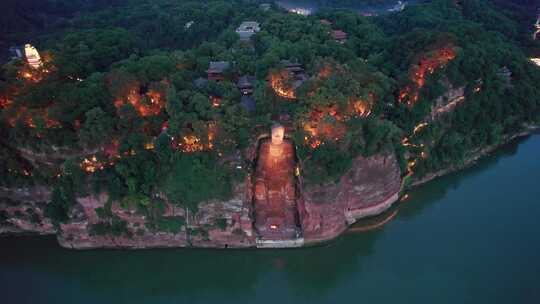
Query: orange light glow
419	127
216	101
32	76
50	123
320	129
37	72
325	71
362	108
451	105
410	166
27	116
428	64
92	164
192	143
5	102
149	106
278	82
149	146
405	142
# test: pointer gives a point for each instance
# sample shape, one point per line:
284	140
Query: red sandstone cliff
217	224
21	210
370	187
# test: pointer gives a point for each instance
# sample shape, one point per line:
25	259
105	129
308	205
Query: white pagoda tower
32	56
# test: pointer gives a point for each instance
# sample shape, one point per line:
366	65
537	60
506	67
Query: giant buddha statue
275	185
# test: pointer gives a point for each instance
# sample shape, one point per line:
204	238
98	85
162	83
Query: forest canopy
124	101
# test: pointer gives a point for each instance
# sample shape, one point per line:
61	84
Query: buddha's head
278	132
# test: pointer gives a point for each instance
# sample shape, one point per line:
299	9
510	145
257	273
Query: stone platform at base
292	243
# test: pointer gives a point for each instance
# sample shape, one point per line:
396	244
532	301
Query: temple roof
339	35
218	66
245	81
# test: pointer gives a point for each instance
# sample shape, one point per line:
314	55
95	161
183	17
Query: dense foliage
121	104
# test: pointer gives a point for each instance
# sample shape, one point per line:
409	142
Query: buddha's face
277	135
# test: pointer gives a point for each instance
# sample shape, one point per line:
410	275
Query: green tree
96	129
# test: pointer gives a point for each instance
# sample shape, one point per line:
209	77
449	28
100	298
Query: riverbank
475	156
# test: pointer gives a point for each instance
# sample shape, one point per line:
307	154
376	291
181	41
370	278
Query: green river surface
469	237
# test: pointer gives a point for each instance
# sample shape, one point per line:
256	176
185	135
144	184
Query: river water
470	237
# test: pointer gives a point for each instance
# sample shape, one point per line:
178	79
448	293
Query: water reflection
425	195
189	272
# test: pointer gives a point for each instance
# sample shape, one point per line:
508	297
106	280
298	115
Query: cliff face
370	187
21	210
218	224
446	103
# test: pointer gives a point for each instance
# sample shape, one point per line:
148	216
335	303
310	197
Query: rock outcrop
22	210
446	103
370	187
217	224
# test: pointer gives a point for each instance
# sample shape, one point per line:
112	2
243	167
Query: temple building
325	22
217	69
32	56
245	84
248	29
296	71
339	36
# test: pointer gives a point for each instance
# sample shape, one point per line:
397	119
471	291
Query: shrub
34	217
105	211
168	224
56	213
221	223
196	178
115	226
